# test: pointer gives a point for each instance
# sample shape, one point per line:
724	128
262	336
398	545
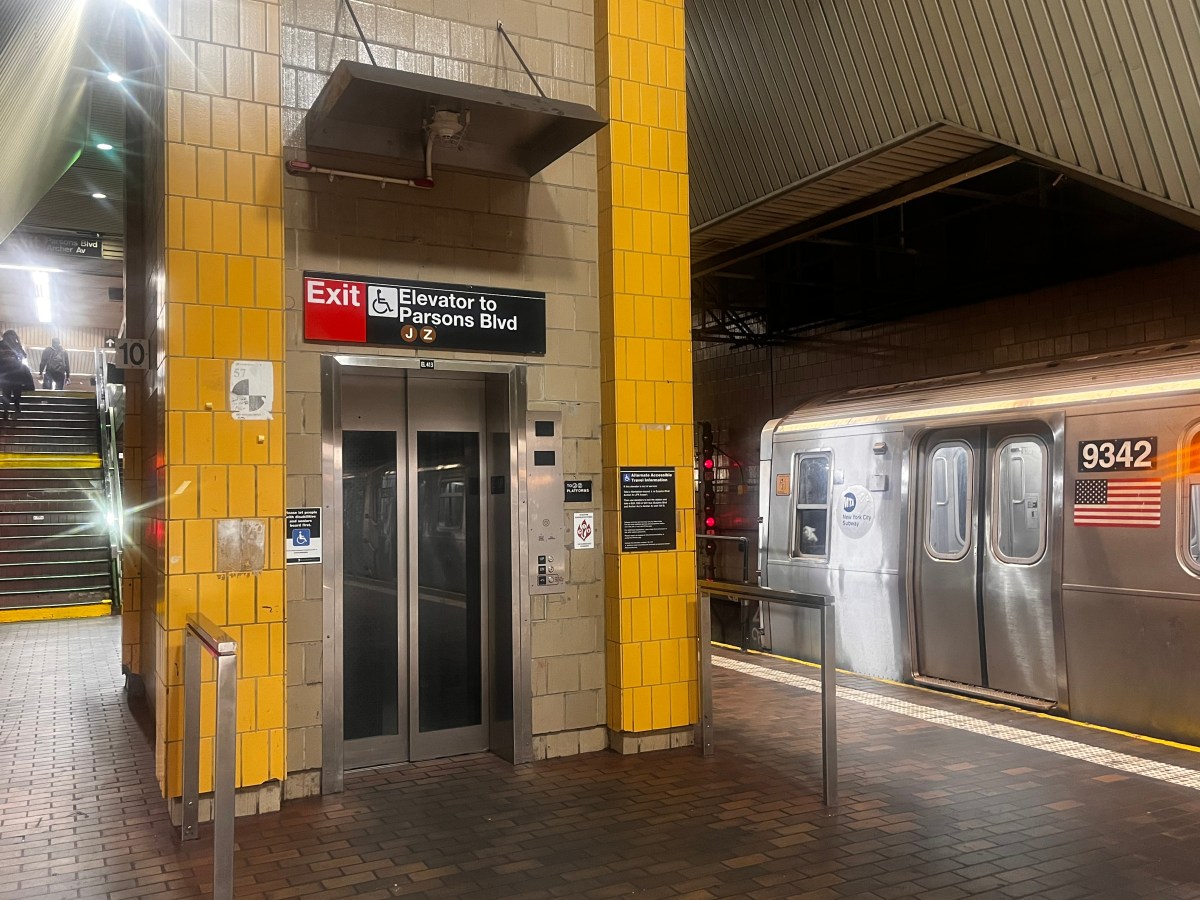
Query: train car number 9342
1118	454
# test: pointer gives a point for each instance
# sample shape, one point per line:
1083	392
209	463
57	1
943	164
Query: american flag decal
1118	503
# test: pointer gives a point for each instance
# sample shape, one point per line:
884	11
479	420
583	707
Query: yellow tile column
223	301
646	378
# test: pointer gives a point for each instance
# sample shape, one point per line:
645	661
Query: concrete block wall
740	391
537	235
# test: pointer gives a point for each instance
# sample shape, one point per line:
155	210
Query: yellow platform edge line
1025	712
48	461
46	613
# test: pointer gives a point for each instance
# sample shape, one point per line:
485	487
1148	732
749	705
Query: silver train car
1031	539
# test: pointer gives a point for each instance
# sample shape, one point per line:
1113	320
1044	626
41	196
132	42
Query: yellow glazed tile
197	224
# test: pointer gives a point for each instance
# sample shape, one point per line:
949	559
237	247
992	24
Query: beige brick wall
538	235
740	391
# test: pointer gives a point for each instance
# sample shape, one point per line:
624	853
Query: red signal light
709	463
710	522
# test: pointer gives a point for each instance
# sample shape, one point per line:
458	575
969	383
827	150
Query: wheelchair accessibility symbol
301	537
383	302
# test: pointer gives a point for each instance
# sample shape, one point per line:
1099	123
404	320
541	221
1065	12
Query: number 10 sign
131	353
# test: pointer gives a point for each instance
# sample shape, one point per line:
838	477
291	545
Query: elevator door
983	564
414	574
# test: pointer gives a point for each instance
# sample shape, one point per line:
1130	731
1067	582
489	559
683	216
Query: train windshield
948	501
811	535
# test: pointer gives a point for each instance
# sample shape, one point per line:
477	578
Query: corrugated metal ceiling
797	106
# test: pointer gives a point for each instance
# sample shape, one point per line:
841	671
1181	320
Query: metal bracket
511	46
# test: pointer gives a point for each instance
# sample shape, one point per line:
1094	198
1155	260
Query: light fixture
103	145
99	196
41	293
115	77
20	268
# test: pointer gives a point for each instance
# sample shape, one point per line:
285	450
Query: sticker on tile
251	389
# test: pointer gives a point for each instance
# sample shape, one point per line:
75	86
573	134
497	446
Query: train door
417	542
983	567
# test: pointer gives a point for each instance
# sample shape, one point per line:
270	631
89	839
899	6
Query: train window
452	498
1189	482
1018	522
811	536
948	501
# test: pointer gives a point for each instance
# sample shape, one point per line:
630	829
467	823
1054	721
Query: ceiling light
99	196
115	77
21	268
104	146
41	294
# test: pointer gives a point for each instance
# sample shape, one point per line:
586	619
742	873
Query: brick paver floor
927	810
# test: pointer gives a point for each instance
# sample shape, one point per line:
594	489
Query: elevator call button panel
547	533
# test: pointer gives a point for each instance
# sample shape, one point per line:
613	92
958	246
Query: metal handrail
744	593
202	633
110	466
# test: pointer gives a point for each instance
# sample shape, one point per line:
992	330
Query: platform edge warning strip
48	461
1112	759
46	613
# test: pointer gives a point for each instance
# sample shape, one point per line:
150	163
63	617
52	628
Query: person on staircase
15	379
55	367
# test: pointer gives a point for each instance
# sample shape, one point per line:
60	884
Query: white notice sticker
585	531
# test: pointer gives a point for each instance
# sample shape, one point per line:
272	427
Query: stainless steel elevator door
414	569
983	563
447	589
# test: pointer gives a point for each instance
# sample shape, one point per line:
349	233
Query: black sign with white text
1138	454
647	509
577	491
391	312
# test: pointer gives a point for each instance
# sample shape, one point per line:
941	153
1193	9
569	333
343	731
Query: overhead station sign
389	312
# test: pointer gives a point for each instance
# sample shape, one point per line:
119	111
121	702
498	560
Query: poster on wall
392	312
302	527
251	389
647	509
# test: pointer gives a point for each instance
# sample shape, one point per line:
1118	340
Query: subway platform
941	798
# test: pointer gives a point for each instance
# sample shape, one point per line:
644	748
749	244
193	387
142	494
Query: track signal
708	476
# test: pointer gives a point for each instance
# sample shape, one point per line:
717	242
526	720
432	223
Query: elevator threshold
986	693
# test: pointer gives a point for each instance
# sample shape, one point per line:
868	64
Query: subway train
1030	538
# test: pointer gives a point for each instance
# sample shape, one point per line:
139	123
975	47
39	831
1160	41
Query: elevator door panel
414	572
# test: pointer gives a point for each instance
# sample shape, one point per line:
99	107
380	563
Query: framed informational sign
647	509
392	312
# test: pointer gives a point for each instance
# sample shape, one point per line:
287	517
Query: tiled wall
647	366
740	391
223	301
538	235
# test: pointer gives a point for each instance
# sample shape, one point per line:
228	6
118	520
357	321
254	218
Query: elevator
424	639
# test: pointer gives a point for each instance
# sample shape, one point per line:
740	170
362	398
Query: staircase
55	558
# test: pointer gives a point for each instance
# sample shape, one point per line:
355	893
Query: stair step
53	493
49	542
80	504
48	556
48	572
36	584
54	598
43	531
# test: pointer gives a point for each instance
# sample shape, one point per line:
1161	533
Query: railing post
743	594
829	704
203	633
704	674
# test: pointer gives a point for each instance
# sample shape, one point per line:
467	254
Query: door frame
915	436
514	377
